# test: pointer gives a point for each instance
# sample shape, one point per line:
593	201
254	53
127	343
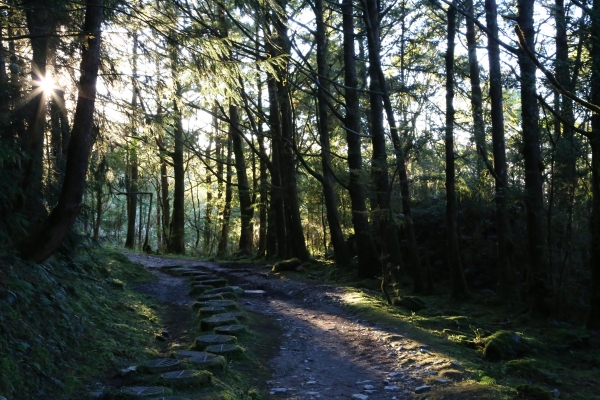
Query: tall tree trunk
506	279
368	261
593	318
458	284
177	237
340	248
295	236
206	236
132	181
389	238
39	24
222	249
51	234
537	272
246	208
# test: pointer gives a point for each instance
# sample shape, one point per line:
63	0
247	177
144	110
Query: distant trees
261	132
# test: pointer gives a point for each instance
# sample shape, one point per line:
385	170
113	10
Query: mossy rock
204	341
217	320
234	330
533	392
525	368
287	265
210	310
208	361
199	289
160	365
219	282
186	378
503	345
227	350
227	304
143	391
411	303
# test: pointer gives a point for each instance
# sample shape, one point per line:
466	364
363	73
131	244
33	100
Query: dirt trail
324	352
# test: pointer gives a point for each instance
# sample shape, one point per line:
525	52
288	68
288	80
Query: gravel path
324	351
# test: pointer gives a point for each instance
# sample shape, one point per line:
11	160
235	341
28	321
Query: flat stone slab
219	282
204	341
143	391
227	304
225	349
217	320
208	361
255	293
162	364
223	289
185	354
423	389
200	289
211	310
186	377
216	296
233	314
230	329
202	278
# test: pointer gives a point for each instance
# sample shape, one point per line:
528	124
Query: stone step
227	350
186	378
216	296
217	320
234	330
208	361
210	310
204	341
219	282
143	391
185	354
200	289
160	365
228	304
202	278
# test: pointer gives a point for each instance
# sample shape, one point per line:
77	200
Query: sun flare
47	85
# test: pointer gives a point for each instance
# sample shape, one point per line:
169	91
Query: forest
422	142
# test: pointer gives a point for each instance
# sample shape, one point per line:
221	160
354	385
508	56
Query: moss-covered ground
70	324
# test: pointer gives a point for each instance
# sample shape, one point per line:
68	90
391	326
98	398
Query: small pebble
422	389
368	387
360	397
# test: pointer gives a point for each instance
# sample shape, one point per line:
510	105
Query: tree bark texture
457	279
537	271
132	178
368	260
506	279
340	248
224	239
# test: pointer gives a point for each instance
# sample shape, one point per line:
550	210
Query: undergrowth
65	322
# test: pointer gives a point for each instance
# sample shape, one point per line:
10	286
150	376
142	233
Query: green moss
503	345
533	392
287	265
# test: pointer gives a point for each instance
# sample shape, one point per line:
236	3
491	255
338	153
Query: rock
161	365
360	396
230	329
555	393
254	293
278	391
394	374
441	381
165	333
160	338
455	363
204	341
93	395
215	296
313	393
424	351
225	349
391	388
186	378
217	320
368	387
311	382
183	354
422	389
123	372
208	361
228	304
216	283
224	289
143	391
199	289
503	345
287	265
211	310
